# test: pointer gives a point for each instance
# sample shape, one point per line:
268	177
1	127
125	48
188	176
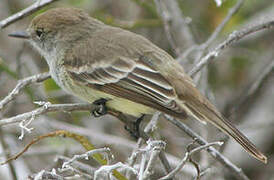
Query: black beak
20	34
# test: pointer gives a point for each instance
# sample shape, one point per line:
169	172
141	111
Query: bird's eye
39	32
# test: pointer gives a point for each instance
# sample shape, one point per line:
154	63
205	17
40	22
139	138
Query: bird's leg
102	109
134	131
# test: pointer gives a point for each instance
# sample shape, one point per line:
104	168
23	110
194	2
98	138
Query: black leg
134	131
102	109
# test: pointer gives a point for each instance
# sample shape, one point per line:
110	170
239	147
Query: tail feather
210	114
228	128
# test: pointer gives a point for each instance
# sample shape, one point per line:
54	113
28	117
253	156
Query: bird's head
57	29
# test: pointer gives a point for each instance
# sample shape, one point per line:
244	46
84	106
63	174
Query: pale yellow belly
119	104
116	103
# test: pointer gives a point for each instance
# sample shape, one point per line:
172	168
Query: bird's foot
102	109
134	131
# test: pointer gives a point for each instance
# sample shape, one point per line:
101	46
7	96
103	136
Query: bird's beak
20	34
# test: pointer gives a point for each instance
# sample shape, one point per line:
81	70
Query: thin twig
76	165
166	19
248	92
106	170
47	175
46	109
152	160
232	38
21	85
25	12
238	173
86	156
186	158
216	33
221	26
175	24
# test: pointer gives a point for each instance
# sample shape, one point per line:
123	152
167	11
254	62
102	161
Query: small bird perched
120	69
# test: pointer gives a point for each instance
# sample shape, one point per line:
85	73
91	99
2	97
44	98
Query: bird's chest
59	74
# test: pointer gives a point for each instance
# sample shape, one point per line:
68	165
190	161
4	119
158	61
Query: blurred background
239	82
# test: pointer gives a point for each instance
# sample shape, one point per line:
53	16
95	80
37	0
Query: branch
253	87
86	155
218	30
25	12
21	85
187	157
87	169
175	25
239	174
46	109
232	38
156	150
215	34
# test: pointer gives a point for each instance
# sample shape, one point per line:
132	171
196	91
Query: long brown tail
228	128
206	111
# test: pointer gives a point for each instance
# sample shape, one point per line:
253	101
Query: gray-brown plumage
92	60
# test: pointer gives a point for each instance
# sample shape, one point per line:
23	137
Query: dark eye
39	32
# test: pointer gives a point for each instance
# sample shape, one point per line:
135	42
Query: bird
121	70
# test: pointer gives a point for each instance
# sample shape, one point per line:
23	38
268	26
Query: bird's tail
206	111
231	130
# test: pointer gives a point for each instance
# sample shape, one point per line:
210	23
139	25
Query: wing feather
133	80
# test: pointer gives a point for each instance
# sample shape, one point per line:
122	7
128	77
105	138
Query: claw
102	109
134	132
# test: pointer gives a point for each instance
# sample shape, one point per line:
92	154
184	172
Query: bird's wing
134	80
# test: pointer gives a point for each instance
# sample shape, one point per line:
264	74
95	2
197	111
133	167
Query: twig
107	169
216	33
47	175
49	108
25	12
238	173
221	26
253	87
186	158
152	145
232	38
76	165
166	19
152	161
67	166
21	85
175	25
86	156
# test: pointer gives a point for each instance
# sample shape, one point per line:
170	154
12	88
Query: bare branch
105	171
46	175
253	87
76	165
152	160
220	27
175	24
232	38
216	33
87	155
25	12
238	173
21	85
187	157
46	109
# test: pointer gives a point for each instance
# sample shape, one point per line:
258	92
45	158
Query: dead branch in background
25	12
21	85
239	174
232	38
187	157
